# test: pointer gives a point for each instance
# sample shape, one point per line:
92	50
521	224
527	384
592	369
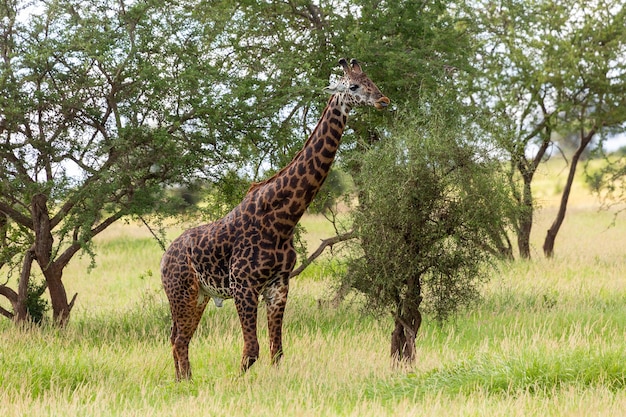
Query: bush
432	213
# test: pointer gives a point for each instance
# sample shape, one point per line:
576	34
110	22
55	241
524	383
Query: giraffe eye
354	87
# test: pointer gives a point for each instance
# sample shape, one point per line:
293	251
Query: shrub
432	213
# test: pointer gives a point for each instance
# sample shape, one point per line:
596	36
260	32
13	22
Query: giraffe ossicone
249	253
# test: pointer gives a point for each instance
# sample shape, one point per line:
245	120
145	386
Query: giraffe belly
217	293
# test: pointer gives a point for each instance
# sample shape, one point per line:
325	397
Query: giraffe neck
286	196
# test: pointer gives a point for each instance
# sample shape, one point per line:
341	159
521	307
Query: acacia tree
409	47
280	56
103	104
547	67
432	205
587	66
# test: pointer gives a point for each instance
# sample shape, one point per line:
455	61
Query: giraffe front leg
246	302
276	300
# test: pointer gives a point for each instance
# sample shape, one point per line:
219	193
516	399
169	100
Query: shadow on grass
528	373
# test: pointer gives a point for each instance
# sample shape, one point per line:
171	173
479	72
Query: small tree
433	214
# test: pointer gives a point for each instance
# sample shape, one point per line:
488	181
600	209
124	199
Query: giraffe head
356	88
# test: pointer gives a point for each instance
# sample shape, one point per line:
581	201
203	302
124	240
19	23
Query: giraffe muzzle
382	103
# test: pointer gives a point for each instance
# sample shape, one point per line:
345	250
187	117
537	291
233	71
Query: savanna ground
548	339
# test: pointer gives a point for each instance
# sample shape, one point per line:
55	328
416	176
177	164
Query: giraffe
249	252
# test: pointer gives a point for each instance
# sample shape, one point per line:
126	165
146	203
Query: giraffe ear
339	87
356	67
335	88
344	64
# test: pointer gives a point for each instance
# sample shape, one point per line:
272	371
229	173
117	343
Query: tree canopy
103	104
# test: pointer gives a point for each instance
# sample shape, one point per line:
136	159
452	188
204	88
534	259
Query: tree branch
70	306
16	216
325	243
10	295
6	313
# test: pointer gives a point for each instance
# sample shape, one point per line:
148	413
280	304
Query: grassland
548	339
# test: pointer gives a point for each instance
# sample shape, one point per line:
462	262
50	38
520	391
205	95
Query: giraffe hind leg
172	339
186	308
180	350
246	302
183	330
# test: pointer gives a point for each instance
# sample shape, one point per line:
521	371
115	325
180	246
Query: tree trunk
58	297
51	271
403	338
407	322
525	222
548	244
527	170
523	234
503	248
19	308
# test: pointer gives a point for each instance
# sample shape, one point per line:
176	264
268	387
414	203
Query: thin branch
156	237
325	243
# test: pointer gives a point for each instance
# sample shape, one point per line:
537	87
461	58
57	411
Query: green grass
548	338
519	353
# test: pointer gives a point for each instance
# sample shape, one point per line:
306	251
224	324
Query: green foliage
104	105
278	57
224	194
411	49
433	206
36	306
412	44
606	178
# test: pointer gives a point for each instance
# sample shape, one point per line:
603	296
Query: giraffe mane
259	184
